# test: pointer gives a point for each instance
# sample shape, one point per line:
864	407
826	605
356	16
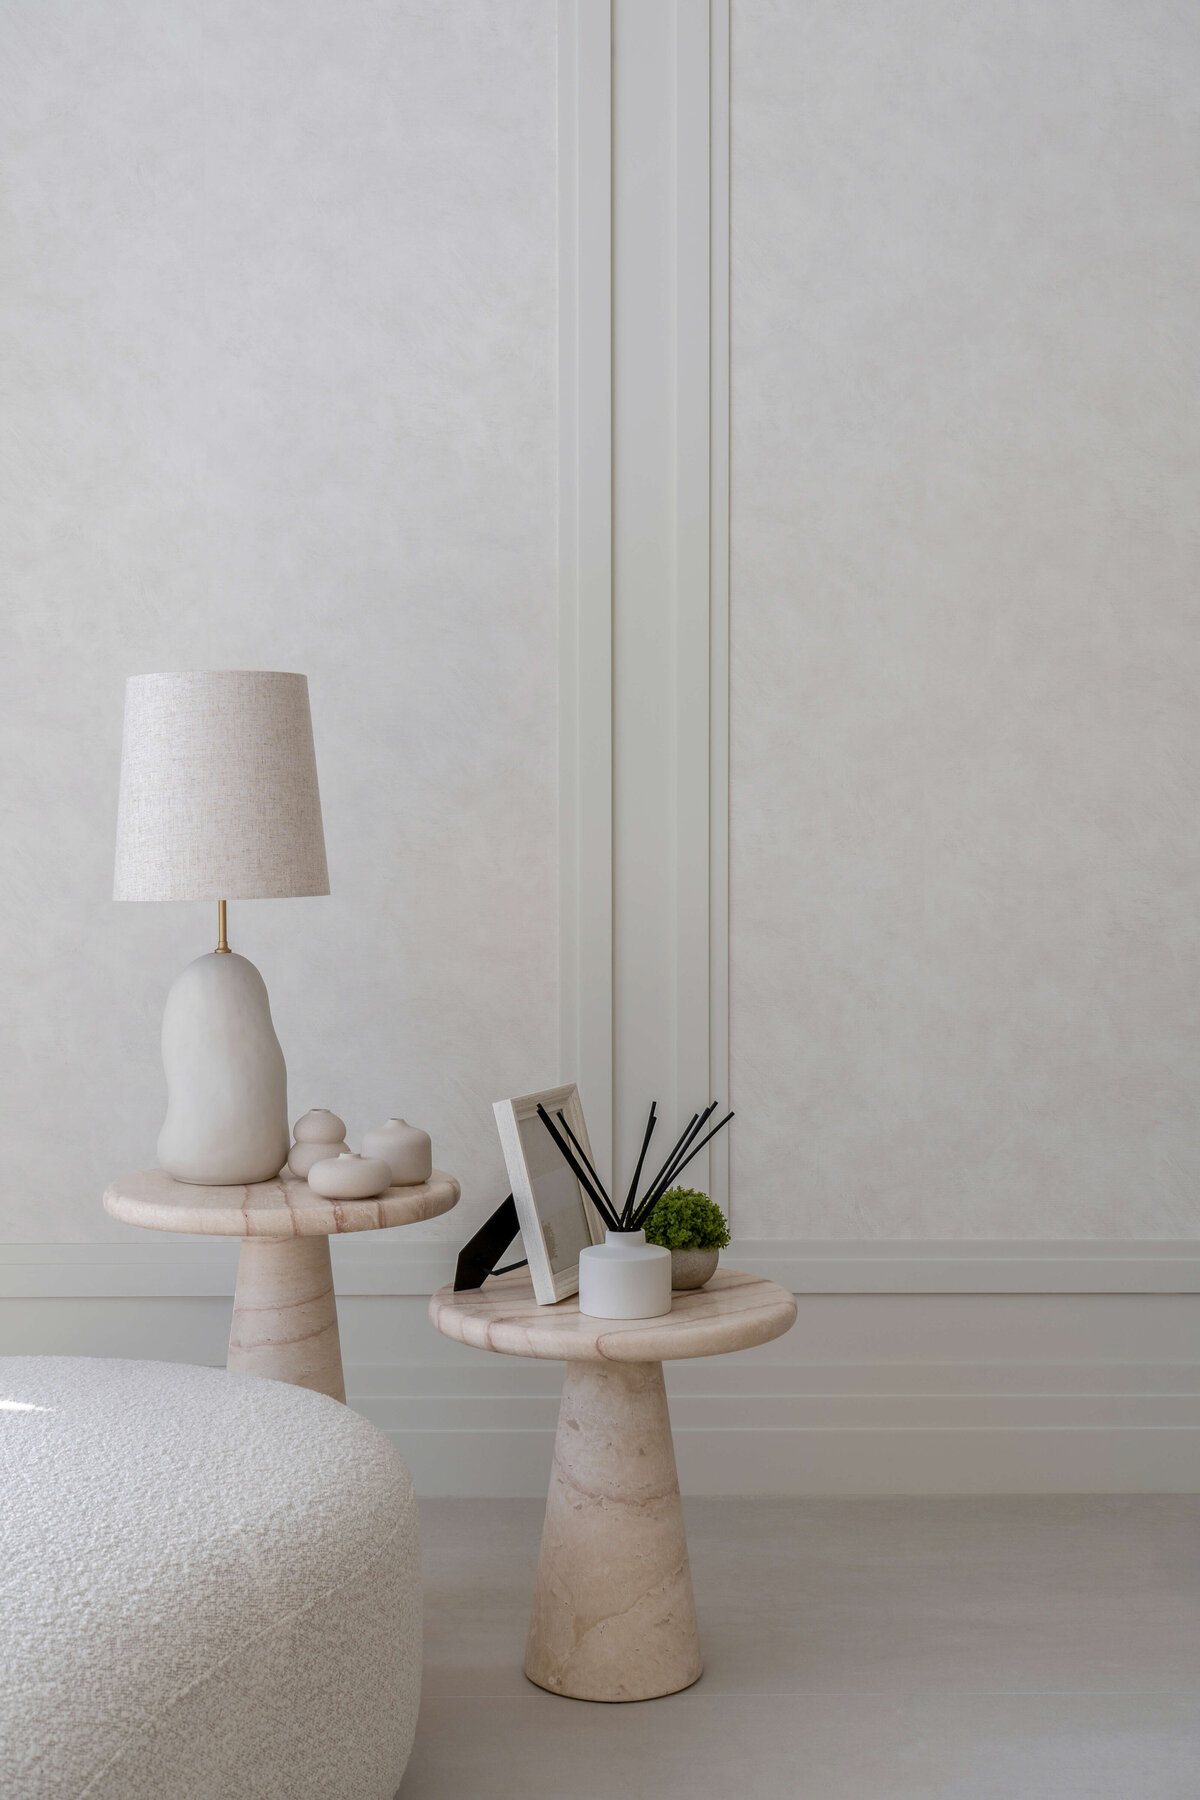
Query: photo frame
557	1219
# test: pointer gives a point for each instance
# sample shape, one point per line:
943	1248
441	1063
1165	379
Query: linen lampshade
219	797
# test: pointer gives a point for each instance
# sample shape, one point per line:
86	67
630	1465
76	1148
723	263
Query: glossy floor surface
881	1649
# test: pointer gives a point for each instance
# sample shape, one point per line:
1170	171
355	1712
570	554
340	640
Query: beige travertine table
284	1309
613	1616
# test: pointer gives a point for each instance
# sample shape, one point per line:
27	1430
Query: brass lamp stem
222	941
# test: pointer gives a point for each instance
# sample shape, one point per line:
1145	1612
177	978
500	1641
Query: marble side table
284	1309
613	1615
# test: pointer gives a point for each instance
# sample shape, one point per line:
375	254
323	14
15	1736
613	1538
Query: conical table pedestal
613	1615
284	1309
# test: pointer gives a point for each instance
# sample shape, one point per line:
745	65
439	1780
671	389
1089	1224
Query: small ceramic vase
405	1148
320	1126
301	1157
319	1135
350	1177
624	1278
692	1268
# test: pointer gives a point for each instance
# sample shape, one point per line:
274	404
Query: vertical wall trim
673	558
719	425
691	554
701	315
701	660
585	559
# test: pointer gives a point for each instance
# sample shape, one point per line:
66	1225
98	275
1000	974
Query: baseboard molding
930	1368
382	1263
927	1266
516	1464
834	1429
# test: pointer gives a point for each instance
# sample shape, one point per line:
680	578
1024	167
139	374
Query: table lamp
219	801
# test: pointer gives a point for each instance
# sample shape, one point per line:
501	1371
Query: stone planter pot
692	1268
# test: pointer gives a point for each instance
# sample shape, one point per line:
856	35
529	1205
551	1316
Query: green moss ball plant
685	1219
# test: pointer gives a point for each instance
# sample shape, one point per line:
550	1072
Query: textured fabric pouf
209	1589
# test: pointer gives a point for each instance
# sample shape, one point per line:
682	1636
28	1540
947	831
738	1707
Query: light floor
898	1649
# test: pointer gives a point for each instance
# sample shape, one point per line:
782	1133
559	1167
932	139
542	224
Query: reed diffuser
625	1277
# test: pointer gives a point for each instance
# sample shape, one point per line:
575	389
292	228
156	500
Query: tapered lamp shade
219	797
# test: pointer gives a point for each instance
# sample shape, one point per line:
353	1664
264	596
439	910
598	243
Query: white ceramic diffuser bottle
624	1278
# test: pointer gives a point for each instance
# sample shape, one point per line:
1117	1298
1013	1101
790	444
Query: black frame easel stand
477	1259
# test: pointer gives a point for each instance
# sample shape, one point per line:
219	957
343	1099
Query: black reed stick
662	1180
648	1207
633	1214
596	1194
696	1148
631	1196
677	1160
584	1158
674	1152
582	1169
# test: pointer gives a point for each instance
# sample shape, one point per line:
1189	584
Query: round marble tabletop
283	1208
733	1312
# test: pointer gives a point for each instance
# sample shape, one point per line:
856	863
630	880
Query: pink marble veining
733	1312
281	1208
613	1616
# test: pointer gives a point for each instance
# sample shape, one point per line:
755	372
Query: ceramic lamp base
624	1278
226	1123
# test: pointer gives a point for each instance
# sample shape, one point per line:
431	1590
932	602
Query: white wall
965	644
277	315
310	416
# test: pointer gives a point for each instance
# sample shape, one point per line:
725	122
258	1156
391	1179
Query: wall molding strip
718	587
691	328
585	560
833	1460
670	435
383	1264
701	556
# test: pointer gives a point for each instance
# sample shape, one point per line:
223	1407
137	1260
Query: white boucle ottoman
209	1588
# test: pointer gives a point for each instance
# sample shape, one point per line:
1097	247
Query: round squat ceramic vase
303	1157
624	1278
319	1126
350	1177
319	1135
692	1268
405	1148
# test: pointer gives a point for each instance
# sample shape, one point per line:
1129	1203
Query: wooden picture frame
556	1217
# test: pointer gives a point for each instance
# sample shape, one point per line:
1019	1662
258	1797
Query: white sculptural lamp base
613	1617
227	1121
284	1310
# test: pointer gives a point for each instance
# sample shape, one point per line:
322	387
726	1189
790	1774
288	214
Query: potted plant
694	1229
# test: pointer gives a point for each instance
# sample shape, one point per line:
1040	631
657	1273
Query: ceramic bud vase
319	1135
303	1157
350	1177
624	1278
319	1126
405	1148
